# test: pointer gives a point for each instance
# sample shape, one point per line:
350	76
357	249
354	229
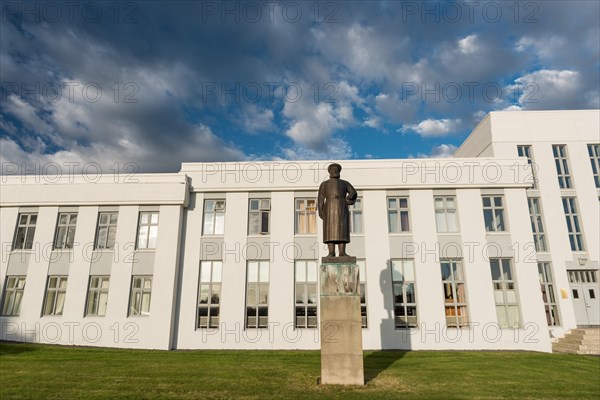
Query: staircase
579	341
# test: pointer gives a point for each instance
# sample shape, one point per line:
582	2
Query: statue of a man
335	195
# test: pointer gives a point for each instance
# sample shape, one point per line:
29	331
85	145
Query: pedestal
341	331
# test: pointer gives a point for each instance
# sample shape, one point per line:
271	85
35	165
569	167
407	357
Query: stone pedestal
341	332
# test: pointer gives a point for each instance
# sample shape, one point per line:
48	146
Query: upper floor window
147	230
562	166
65	231
573	224
526	151
214	217
25	231
306	216
445	214
107	230
259	213
356	217
537	223
493	213
398	220
594	153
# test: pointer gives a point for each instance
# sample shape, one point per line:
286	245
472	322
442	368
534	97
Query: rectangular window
97	296
141	291
562	166
537	223
547	287
13	294
405	301
445	214
505	293
363	292
306	294
209	294
257	294
594	153
65	231
493	213
356	217
526	151
55	295
107	230
398	220
455	297
147	230
25	231
214	217
306	216
573	225
258	216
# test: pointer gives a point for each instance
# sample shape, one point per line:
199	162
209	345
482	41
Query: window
547	287
594	153
573	226
107	230
13	294
537	223
25	231
398	214
562	166
257	294
363	292
55	295
493	213
209	294
455	298
356	217
147	230
445	214
405	301
97	296
258	216
526	151
306	294
505	293
65	231
139	300
306	216
214	217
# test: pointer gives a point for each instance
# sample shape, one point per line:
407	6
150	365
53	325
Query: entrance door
585	293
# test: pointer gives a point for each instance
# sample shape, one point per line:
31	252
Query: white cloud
545	48
433	127
440	151
468	45
257	119
335	149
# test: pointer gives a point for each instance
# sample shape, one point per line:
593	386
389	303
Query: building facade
496	248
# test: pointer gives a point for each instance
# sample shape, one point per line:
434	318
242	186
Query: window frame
445	211
305	305
493	208
110	227
139	311
399	211
503	285
257	292
305	213
11	294
69	238
56	291
548	293
526	150
563	167
404	305
364	313
25	244
98	291
572	220
263	208
456	319
537	224
356	211
210	306
150	225
213	214
594	154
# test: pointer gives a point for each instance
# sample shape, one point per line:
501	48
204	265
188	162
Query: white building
225	255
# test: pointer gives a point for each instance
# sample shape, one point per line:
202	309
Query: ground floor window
55	295
405	300
13	294
306	294
209	294
455	297
505	293
139	300
257	294
97	296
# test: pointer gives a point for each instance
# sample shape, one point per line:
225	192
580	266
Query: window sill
145	250
497	232
259	235
213	235
449	233
407	233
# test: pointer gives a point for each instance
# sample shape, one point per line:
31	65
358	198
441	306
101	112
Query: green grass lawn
29	371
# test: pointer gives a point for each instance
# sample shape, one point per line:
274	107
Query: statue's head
334	170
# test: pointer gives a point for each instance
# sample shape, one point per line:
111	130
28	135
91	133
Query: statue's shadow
376	362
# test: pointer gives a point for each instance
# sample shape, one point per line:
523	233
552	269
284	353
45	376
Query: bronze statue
335	195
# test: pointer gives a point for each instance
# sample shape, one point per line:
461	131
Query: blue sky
159	83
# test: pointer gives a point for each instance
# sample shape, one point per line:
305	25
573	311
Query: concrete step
593	350
579	341
566	346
